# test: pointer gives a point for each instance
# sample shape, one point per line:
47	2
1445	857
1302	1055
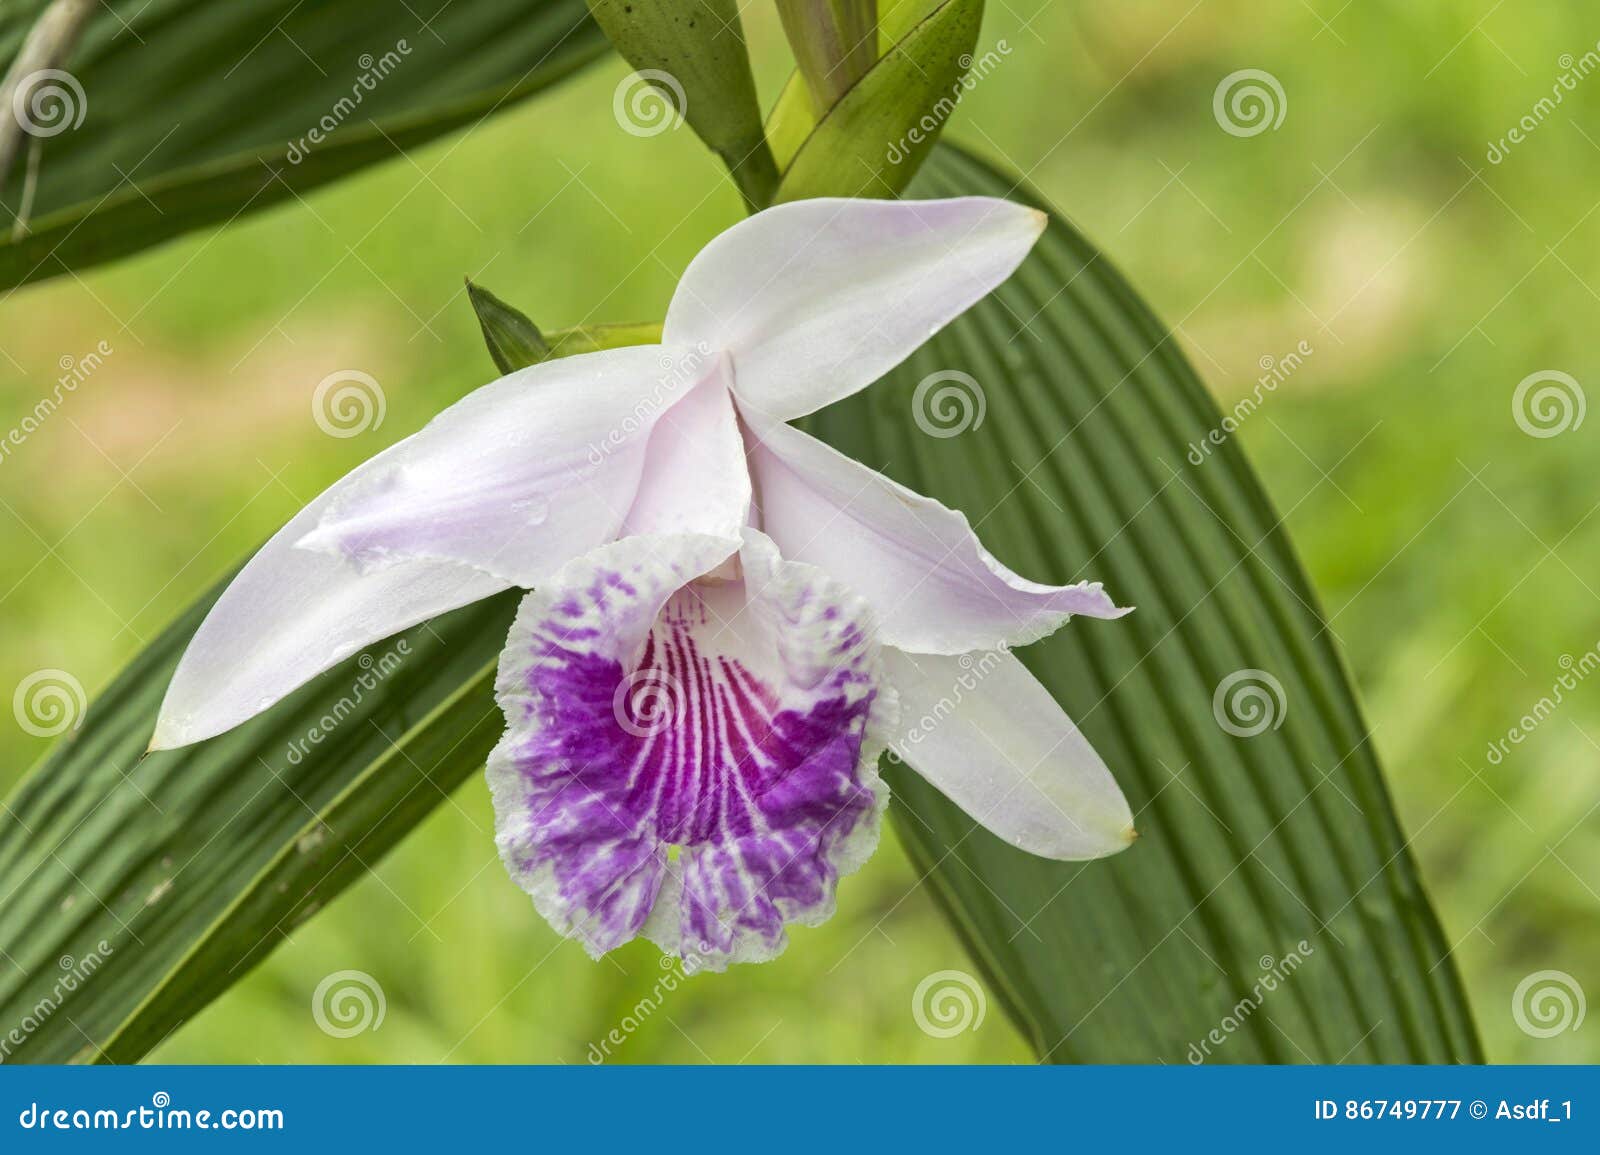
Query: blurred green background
1455	554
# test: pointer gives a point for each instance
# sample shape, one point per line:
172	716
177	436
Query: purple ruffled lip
710	791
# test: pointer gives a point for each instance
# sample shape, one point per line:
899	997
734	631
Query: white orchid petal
291	614
983	730
695	478
817	299
934	587
518	477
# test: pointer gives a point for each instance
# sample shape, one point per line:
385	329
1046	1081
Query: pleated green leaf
1270	911
135	888
193	113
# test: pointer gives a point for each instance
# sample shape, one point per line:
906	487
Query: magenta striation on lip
724	793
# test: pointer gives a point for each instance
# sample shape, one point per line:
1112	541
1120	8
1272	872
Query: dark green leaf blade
692	52
177	871
198	112
1251	845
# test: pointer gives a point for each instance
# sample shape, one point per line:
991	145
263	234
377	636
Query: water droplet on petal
533	510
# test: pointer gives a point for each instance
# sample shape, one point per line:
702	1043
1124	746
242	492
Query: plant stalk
49	42
835	42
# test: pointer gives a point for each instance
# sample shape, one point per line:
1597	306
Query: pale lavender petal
983	730
518	477
688	758
932	585
817	299
695	477
291	614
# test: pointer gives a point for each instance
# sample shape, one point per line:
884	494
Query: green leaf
873	140
514	341
1251	846
195	112
693	54
593	338
177	871
794	115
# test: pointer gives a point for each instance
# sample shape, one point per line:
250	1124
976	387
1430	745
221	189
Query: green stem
835	42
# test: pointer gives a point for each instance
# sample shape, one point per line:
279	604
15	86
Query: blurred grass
1455	554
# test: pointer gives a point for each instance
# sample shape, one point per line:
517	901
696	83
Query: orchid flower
727	616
